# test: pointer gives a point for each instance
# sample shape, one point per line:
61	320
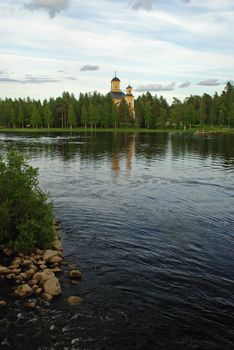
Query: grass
214	129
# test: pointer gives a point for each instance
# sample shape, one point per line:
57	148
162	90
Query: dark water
149	219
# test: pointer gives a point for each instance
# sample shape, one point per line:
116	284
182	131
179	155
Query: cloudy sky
169	47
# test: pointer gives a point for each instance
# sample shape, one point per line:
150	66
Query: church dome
115	79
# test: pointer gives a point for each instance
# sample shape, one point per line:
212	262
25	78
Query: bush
25	215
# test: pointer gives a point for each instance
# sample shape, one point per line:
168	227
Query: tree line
98	111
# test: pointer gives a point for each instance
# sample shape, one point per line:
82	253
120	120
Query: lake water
149	220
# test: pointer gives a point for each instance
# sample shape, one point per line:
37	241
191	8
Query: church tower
115	84
129	98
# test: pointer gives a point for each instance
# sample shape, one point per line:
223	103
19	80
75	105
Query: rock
38	291
30	304
39	252
47	296
43	267
23	291
74	282
75	274
48	281
30	273
26	262
57	245
52	287
7	251
49	253
16	271
74	300
43	276
55	259
2	303
40	262
3	270
56	269
23	275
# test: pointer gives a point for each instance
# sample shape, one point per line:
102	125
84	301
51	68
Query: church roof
129	87
117	95
115	79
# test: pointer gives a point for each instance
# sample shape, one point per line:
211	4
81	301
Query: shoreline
214	130
36	276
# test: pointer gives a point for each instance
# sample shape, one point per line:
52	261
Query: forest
93	110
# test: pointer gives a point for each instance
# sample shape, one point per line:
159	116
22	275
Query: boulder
49	253
3	270
29	273
52	287
75	274
55	259
43	276
26	262
43	267
23	291
2	303
74	300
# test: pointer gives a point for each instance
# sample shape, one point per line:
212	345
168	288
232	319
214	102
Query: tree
84	116
71	116
35	116
48	116
25	215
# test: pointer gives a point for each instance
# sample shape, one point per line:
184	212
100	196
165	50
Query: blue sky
169	47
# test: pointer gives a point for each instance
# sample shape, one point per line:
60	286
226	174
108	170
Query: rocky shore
35	276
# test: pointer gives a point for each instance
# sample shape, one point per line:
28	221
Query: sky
173	48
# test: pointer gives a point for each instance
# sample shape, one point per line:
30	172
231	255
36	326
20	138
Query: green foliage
25	215
96	110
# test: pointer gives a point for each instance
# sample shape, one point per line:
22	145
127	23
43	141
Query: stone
26	262
23	291
16	271
2	303
56	269
43	276
7	251
47	296
55	259
75	274
23	275
43	267
38	291
49	253
52	287
57	245
29	273
31	304
40	262
74	282
74	300
3	270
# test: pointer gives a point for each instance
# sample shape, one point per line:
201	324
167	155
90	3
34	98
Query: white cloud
89	67
156	87
185	84
51	6
209	82
143	4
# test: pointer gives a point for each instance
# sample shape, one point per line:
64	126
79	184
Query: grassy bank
74	130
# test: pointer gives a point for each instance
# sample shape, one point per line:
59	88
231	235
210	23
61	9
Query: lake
149	220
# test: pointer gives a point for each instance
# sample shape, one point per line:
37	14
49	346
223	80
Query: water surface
149	219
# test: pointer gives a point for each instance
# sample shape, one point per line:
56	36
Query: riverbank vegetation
96	111
25	215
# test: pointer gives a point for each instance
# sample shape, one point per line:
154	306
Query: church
117	95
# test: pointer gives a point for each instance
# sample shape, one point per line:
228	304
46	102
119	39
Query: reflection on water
149	219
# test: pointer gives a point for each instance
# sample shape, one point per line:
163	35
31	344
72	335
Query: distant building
117	95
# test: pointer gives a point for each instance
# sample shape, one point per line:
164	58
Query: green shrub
26	217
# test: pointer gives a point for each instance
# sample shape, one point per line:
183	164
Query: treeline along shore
93	110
